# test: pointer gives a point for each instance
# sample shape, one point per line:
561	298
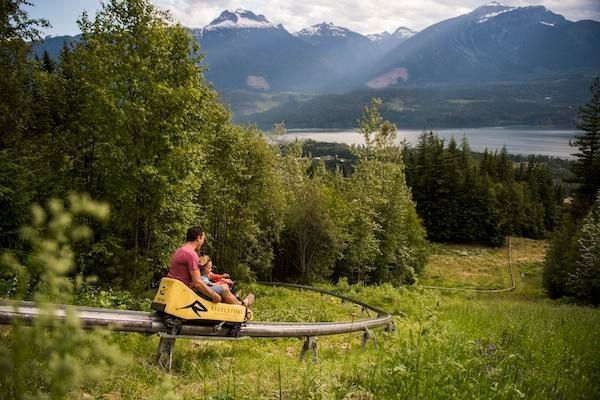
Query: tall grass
492	348
446	345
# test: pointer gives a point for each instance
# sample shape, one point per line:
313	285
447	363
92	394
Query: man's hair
193	233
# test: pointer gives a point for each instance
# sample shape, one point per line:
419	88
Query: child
223	282
214	278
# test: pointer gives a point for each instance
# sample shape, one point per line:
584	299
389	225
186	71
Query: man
184	267
184	264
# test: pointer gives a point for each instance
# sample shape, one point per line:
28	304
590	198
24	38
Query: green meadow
445	344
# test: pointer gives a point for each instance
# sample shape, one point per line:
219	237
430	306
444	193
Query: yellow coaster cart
178	304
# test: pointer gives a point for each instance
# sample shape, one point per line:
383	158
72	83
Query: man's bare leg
228	297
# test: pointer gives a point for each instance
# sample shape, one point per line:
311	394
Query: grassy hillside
446	345
471	266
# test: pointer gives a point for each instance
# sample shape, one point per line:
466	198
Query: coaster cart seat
178	304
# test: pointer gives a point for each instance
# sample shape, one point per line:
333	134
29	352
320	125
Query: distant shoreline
511	127
518	141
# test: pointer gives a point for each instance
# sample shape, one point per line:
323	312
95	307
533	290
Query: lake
548	142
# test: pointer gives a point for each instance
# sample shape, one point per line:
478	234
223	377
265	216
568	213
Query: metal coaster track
145	322
151	323
481	290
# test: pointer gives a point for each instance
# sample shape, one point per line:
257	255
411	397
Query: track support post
368	335
390	327
310	344
166	345
164	355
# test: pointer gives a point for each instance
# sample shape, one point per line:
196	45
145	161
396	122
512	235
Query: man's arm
203	287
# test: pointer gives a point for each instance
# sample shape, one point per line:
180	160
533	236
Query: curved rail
144	322
366	306
480	290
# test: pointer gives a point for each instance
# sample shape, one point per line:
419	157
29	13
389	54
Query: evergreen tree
488	164
48	63
566	271
542	190
584	281
453	180
561	257
17	73
587	164
466	162
504	168
429	187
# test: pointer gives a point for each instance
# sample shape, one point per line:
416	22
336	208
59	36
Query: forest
549	103
127	118
110	153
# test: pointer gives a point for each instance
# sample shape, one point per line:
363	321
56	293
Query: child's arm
214	277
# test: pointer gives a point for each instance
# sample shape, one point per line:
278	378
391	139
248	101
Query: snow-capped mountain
386	41
328	37
490	10
239	19
401	33
326	29
493	42
349	52
378	36
537	14
245	50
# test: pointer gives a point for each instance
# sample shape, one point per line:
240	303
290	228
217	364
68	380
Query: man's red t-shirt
183	262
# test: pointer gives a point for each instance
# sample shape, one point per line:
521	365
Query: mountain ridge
492	43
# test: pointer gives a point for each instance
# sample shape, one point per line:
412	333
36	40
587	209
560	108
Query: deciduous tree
138	139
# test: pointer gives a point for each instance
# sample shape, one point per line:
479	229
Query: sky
365	17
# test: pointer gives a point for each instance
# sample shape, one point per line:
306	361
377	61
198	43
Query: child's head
205	264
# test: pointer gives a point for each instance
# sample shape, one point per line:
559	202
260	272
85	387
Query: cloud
361	16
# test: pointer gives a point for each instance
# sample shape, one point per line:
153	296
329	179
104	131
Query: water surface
525	141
